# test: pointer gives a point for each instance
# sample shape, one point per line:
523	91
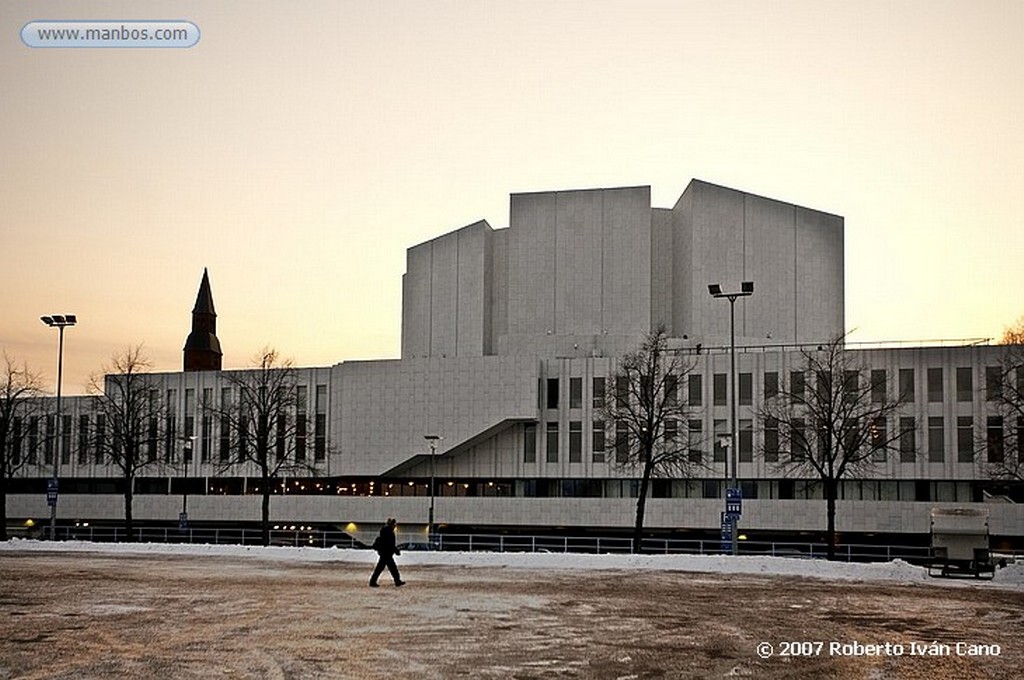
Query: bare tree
263	425
643	405
132	414
836	417
20	390
1002	441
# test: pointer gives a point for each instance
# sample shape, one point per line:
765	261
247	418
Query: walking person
385	546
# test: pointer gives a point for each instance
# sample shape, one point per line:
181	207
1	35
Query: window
65	440
320	424
597	441
598	396
225	438
696	433
530	443
621	391
721	426
771	384
190	423
50	427
83	440
101	437
746	436
204	441
878	440
935	384
993	383
746	390
797	384
907	387
994	439
936	439
671	431
280	443
151	440
621	442
851	383
695	389
907	439
964	384
576	441
551	446
671	389
552	393
771	440
965	439
720	389
15	445
798	446
878	385
300	436
575	392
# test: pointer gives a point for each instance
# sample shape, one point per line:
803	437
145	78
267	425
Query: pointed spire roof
204	300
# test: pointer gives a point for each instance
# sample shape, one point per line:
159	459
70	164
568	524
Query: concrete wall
382	409
793	255
579	264
446	305
619	513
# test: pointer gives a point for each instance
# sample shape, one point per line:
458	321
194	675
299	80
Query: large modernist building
508	337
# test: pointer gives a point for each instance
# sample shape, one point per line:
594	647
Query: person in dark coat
386	549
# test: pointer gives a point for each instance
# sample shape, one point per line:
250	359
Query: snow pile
897	570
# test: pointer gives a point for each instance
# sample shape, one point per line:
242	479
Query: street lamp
432	439
60	322
746	290
186	460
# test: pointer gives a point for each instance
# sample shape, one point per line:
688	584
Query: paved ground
96	616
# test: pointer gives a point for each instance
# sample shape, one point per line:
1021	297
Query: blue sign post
728	526
733	510
51	493
734	502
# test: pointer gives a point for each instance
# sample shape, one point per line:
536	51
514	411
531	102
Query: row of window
766	489
799	439
549	392
89	442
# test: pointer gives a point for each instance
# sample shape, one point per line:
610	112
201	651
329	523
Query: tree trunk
641	507
129	527
831	489
265	516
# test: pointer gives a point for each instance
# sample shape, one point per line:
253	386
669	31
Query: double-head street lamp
60	322
186	460
432	439
746	290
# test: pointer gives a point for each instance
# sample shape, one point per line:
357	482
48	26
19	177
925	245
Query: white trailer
960	543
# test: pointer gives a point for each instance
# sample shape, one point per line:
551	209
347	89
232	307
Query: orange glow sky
300	148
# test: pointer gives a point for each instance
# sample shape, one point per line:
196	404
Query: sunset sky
299	148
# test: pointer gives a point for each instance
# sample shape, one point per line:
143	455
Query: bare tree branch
20	392
643	405
837	417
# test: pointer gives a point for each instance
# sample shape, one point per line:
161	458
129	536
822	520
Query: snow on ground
1011	577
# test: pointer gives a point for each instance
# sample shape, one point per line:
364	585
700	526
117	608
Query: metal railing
595	545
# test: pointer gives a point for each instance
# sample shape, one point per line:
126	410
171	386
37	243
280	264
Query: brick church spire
202	348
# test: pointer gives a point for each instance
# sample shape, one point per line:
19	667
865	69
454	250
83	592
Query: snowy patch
897	570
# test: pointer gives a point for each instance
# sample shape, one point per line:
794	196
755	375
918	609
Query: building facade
509	337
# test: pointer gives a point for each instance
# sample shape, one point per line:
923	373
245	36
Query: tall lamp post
432	439
732	495
185	462
60	322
